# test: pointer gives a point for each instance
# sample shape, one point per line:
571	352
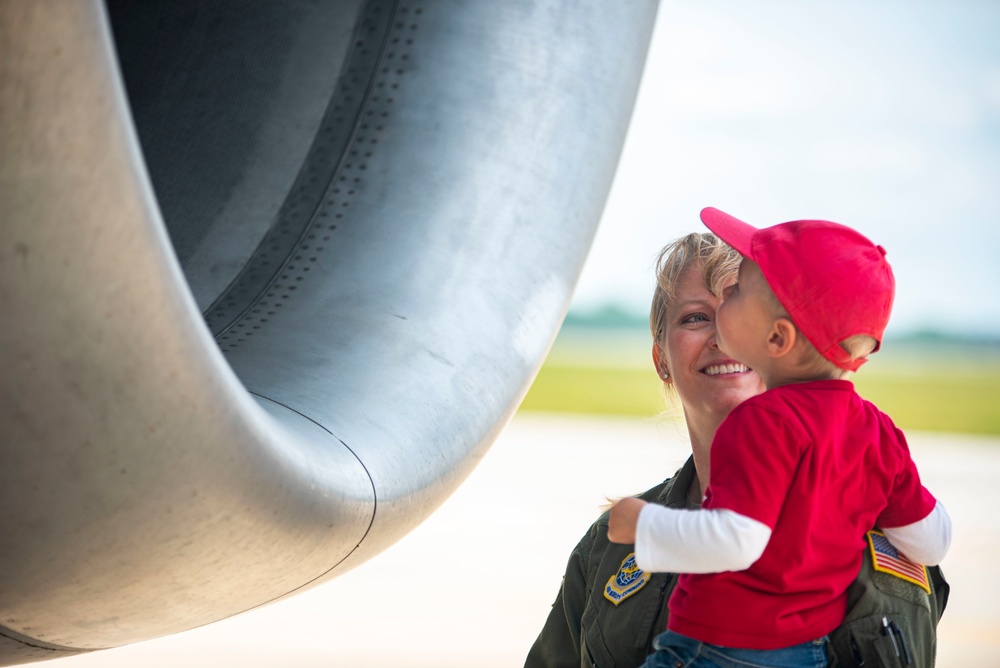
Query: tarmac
472	586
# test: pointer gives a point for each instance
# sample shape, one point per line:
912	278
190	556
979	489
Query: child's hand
624	517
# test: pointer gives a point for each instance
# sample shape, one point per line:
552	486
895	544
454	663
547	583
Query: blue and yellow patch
628	580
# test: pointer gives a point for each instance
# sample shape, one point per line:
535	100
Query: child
799	473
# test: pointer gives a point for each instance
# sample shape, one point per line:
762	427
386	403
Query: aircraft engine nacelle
273	276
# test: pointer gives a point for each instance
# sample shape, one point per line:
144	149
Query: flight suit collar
675	492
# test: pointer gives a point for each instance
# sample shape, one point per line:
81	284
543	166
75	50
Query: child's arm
687	541
623	518
925	541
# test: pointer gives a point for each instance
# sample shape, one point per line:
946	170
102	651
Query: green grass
920	390
609	391
956	402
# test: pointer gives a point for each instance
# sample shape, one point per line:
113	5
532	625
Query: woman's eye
694	318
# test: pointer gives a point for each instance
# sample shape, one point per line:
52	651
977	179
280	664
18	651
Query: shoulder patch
628	580
887	559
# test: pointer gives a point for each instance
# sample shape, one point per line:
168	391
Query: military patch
628	580
887	559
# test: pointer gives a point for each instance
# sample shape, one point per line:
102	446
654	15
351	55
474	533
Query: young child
799	473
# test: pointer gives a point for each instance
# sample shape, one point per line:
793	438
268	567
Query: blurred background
881	115
884	116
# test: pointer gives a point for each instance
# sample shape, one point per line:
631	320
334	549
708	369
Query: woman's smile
727	368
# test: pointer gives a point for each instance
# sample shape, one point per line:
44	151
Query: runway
472	585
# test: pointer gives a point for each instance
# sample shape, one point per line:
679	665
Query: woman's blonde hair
718	262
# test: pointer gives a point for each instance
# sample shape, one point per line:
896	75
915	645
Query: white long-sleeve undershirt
925	542
673	540
715	540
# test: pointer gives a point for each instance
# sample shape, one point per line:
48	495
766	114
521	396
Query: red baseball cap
832	280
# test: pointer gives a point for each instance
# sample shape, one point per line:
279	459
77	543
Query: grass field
921	388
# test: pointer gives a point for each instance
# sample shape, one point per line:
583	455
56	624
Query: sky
881	114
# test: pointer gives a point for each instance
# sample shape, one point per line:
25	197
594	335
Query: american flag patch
887	559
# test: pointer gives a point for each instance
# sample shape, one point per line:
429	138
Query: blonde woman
608	611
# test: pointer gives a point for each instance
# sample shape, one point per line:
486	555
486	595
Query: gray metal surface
261	314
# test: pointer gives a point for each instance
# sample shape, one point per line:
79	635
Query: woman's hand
623	520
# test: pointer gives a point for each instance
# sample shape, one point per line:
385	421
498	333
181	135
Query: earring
665	375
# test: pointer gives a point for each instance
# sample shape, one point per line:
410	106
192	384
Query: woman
608	611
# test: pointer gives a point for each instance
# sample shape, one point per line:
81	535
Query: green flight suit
587	629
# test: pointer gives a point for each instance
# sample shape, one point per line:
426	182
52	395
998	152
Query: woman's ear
660	362
782	337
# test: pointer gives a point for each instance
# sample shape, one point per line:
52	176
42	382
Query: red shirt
820	466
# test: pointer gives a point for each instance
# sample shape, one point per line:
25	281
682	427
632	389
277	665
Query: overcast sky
880	114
